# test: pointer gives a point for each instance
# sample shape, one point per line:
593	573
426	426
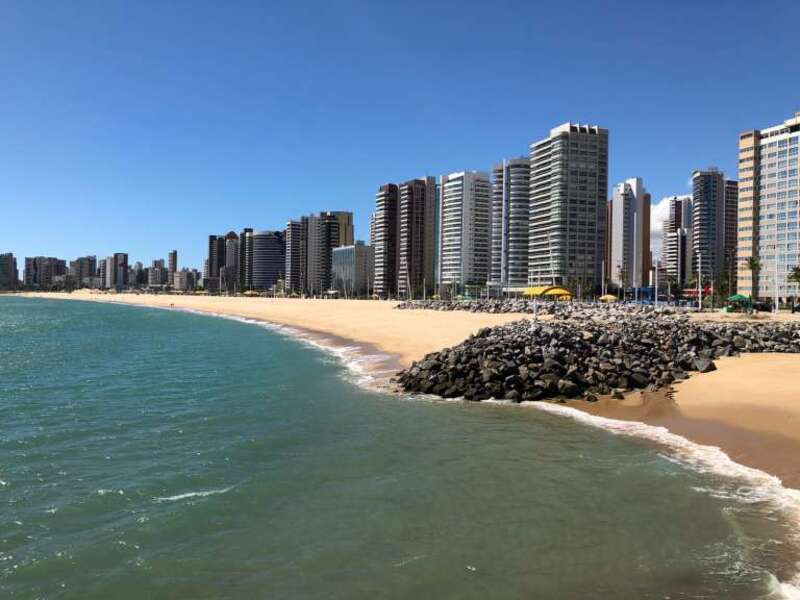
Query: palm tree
794	277
754	265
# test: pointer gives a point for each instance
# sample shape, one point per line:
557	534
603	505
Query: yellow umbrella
608	298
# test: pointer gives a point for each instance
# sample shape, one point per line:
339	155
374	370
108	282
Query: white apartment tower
510	223
677	239
769	219
465	199
568	207
630	234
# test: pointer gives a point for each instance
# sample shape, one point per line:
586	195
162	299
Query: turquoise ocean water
159	454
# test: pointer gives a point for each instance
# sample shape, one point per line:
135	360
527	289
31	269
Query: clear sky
145	126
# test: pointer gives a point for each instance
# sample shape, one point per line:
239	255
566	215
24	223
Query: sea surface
150	453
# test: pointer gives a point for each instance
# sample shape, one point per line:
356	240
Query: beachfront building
384	240
228	264
245	259
83	270
714	201
115	274
269	260
172	266
568	207
509	226
185	280
416	237
677	239
309	244
43	271
352	270
630	234
157	274
295	269
768	224
8	271
465	199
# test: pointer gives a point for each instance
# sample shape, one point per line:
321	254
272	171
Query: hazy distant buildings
630	234
185	280
465	199
568	206
510	224
269	259
41	271
768	224
677	239
352	269
8	271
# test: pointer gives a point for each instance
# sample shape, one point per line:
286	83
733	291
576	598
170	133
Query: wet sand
749	407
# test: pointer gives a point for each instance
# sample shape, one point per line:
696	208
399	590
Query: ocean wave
201	494
760	486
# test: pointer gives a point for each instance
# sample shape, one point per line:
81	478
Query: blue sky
145	126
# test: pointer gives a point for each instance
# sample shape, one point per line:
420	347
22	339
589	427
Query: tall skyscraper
216	254
568	197
246	258
465	236
345	226
677	239
384	239
172	266
510	217
229	264
708	223
82	269
416	206
269	259
296	247
120	260
731	231
8	271
769	192
630	234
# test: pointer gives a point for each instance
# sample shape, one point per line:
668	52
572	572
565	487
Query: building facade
465	199
9	277
352	270
630	234
568	207
384	239
415	237
269	260
510	224
708	223
768	224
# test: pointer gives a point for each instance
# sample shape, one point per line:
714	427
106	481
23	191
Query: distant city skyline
112	144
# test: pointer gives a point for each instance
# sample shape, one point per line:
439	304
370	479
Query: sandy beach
749	406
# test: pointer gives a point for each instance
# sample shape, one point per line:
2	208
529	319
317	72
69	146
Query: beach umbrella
738	298
608	298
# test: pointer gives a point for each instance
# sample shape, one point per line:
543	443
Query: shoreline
744	408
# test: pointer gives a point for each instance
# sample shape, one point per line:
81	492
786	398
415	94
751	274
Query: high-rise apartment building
172	266
465	199
510	224
40	271
8	271
768	224
296	247
245	260
708	223
384	239
269	259
345	226
83	269
677	239
630	234
731	231
216	254
568	206
309	243
416	209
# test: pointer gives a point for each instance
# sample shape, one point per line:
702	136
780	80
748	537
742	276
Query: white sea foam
358	362
201	494
756	486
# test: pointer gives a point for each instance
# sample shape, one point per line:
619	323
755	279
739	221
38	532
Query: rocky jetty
538	360
559	310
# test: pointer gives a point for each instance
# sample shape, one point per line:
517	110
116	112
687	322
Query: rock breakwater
533	360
